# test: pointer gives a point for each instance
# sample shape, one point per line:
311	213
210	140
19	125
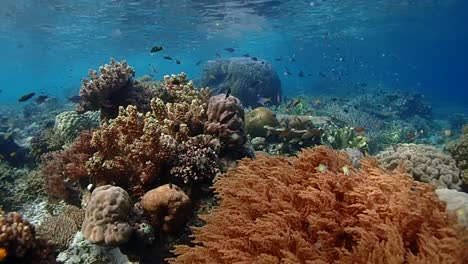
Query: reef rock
247	78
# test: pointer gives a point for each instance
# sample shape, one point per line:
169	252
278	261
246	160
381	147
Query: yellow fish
321	167
13	154
3	254
345	169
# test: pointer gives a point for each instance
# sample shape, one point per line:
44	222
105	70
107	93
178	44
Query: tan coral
167	206
425	163
105	220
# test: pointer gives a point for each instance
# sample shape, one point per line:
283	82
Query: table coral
105	217
167	207
305	209
425	163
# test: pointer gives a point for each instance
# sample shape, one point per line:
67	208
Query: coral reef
167	206
11	152
459	151
308	209
18	239
345	137
248	79
107	91
105	221
63	170
257	119
425	163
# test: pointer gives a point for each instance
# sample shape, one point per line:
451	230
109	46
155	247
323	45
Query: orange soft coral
294	210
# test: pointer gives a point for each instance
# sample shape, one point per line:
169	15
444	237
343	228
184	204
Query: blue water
417	45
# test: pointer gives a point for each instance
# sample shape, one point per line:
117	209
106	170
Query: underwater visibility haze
284	131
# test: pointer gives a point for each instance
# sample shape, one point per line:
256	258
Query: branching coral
19	242
130	151
63	170
106	91
309	209
425	163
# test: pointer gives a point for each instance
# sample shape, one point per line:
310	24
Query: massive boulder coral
425	163
105	221
167	206
248	79
107	91
315	208
69	124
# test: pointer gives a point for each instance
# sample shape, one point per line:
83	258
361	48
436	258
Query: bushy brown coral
106	214
226	121
63	170
312	209
107	91
130	151
196	160
18	239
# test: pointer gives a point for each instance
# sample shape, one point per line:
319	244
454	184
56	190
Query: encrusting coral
425	163
106	215
316	208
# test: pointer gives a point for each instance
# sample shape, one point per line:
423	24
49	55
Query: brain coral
425	163
106	215
287	210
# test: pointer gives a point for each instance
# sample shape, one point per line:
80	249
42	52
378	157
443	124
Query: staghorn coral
130	150
18	239
63	170
287	210
425	163
226	121
167	206
459	151
105	221
107	91
196	160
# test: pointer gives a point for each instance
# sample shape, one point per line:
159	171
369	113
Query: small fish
13	154
26	97
321	74
359	130
230	50
246	55
156	49
346	110
41	98
177	61
218	56
293	103
278	98
76	99
212	77
167	58
346	170
277	59
263	100
153	69
234	137
321	168
316	102
228	92
254	58
300	74
198	63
